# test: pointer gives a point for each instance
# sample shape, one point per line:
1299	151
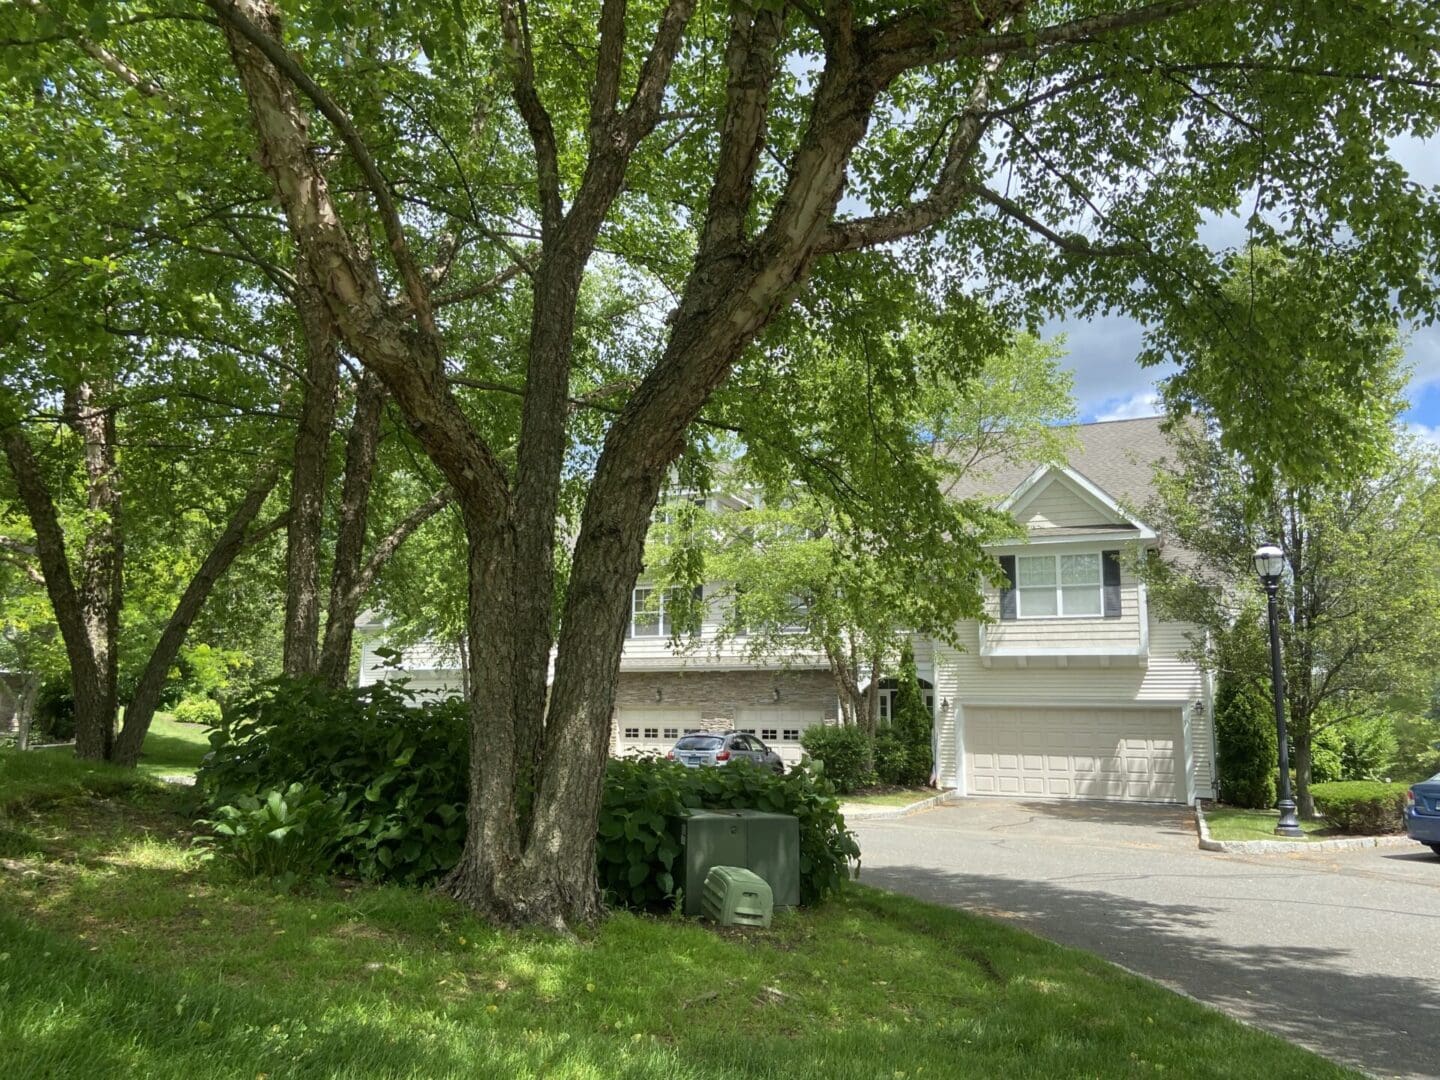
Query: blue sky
1110	385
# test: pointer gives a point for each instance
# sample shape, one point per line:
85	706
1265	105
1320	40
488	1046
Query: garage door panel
781	727
1075	753
652	731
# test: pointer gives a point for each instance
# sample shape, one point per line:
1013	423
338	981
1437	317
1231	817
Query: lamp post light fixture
1270	564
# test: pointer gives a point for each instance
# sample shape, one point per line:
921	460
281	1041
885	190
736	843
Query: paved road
1338	951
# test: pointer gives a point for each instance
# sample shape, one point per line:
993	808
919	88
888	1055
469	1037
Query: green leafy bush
639	832
899	762
845	753
1367	746
399	767
197	710
286	836
1246	755
1417	750
1368	807
55	710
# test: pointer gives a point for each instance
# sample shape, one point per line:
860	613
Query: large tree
731	161
1360	601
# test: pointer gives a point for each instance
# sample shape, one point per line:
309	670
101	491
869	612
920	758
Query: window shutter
1007	594
1110	568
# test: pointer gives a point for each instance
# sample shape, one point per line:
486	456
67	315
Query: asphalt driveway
1338	951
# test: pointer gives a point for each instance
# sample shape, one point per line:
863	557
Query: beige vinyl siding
1059	506
427	665
1082	632
1167	679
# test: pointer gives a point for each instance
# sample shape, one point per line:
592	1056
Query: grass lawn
123	954
1232	823
891	796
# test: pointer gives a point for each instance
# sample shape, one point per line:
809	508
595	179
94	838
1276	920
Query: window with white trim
652	733
649	616
769	734
791	735
672	733
1047	586
632	733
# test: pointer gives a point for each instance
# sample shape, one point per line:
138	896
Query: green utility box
735	896
768	844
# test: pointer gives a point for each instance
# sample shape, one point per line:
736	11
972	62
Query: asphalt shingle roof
1117	456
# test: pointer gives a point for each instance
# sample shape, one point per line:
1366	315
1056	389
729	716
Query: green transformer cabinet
768	844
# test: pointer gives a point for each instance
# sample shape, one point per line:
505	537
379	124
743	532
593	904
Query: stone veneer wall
719	694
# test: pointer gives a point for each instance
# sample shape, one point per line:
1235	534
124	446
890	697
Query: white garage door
1075	753
652	731
779	728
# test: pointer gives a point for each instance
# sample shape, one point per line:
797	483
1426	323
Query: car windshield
699	742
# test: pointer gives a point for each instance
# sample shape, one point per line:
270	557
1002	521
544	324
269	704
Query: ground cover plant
126	954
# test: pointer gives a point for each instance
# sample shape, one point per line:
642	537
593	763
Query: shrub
845	754
1367	747
1368	807
399	768
286	836
639	833
197	710
1246	754
911	726
55	710
899	762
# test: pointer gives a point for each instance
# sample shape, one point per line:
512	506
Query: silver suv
697	748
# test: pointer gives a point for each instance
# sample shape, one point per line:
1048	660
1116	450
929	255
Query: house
1074	689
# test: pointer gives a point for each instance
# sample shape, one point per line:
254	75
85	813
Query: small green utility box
735	896
768	844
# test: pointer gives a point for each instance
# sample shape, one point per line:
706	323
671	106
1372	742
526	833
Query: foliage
795	561
397	767
1417	750
846	753
55	710
912	726
1366	807
644	799
197	710
1314	362
285	836
1245	745
1359	602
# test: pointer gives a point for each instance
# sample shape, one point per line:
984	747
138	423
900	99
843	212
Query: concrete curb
860	812
1276	847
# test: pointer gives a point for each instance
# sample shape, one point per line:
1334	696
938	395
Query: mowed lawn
124	954
1233	823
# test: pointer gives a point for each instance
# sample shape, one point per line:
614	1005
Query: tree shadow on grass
1389	1025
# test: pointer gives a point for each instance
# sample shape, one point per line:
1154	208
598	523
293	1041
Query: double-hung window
1052	585
648	617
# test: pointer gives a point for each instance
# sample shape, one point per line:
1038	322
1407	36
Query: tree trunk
86	673
307	478
361	448
101	572
152	680
25	711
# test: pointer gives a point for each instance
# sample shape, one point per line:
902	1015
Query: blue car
1422	812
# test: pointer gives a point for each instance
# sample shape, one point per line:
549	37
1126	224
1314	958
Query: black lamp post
1270	564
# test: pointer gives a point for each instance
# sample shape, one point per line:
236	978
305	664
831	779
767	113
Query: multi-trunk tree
727	161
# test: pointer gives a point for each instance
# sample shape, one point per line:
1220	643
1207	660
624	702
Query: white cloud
1131	408
1429	433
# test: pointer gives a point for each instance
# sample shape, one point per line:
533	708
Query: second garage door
1082	753
779	728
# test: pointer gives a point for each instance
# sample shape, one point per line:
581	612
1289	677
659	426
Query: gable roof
1117	456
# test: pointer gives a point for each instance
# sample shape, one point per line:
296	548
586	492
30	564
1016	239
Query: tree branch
1070	243
515	30
268	45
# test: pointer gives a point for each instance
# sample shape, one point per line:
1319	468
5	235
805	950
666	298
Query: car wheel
1435	848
